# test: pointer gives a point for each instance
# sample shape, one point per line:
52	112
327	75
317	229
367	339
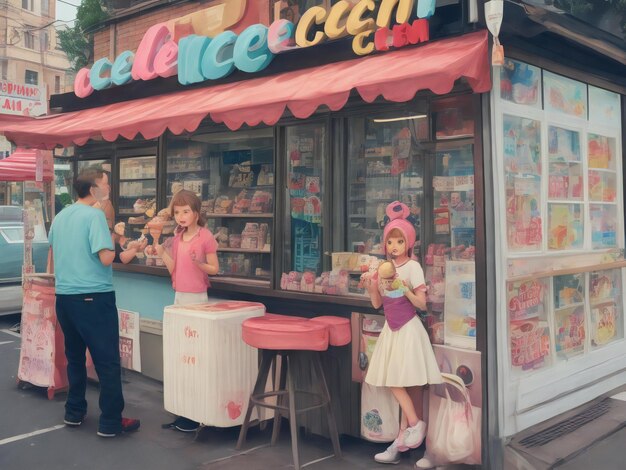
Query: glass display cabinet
233	175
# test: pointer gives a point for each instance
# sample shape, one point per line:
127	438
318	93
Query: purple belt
398	311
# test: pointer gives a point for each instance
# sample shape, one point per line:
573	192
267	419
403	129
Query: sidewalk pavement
32	436
592	435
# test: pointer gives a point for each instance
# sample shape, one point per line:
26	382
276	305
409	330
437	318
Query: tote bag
380	414
451	434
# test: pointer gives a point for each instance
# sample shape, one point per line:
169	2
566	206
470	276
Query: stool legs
259	387
287	391
279	399
293	420
332	425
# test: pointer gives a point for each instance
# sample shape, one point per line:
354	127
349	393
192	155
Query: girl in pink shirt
192	256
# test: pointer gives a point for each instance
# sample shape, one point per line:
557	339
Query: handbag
451	430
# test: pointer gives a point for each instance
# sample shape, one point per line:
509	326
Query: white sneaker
414	435
391	455
424	464
399	443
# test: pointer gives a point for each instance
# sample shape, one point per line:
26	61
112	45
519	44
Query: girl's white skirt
403	358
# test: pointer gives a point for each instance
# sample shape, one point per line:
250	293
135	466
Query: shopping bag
380	414
451	431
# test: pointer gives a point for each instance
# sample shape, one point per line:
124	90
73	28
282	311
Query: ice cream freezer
208	370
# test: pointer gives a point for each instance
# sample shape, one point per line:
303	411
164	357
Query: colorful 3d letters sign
196	58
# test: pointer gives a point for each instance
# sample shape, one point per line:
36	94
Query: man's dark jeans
90	321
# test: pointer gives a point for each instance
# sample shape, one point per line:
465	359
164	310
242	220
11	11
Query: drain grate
567	426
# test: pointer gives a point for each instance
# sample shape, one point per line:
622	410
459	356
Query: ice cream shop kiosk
299	122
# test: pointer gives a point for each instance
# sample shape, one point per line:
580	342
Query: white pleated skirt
403	358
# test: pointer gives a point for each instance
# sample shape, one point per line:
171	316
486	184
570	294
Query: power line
68	3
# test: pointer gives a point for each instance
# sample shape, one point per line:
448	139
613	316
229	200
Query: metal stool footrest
259	400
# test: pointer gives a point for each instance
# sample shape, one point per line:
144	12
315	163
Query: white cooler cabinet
208	370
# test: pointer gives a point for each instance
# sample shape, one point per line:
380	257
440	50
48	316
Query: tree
77	41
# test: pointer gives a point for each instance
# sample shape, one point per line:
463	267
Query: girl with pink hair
403	358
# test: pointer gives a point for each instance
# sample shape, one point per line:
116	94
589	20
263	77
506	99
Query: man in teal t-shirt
77	236
81	254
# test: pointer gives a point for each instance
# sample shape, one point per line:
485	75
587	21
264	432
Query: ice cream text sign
163	52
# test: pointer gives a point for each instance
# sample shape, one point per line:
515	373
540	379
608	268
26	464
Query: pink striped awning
396	76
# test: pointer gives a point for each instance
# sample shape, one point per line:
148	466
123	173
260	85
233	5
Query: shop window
16	193
581	172
29	40
136	202
57	44
31	77
233	174
44	41
522	178
425	160
63	183
3	194
606	304
305	154
557	146
602	183
385	164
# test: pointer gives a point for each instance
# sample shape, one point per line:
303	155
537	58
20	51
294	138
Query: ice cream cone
155	228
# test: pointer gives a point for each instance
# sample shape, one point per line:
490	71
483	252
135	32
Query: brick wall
130	32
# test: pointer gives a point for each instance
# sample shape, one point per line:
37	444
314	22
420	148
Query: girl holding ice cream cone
193	253
403	358
191	258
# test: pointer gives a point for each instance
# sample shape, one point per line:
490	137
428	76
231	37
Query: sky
67	12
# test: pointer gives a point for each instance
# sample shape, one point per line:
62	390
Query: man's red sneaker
128	425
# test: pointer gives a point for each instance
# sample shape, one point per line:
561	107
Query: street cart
42	354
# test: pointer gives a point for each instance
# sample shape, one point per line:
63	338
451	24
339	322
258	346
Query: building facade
29	48
513	174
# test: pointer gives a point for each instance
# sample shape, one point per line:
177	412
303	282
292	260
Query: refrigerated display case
233	175
386	163
137	187
137	199
449	258
429	165
305	148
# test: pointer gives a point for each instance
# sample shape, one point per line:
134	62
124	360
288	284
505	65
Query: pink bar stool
288	337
